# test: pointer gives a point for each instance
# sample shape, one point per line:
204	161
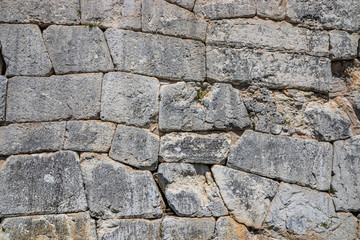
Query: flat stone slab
188	4
106	13
75	49
54	177
201	107
247	196
156	55
24	50
343	45
294	160
228	229
53	98
219	9
3	89
117	191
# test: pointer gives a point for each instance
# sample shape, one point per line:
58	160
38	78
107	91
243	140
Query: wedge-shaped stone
271	69
219	9
131	15
201	107
130	99
194	148
188	4
41	184
53	98
106	13
76	226
156	55
247	196
75	49
265	34
23	50
3	90
343	45
117	191
302	161
228	229
273	9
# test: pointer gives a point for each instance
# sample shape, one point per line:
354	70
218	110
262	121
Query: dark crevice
2	63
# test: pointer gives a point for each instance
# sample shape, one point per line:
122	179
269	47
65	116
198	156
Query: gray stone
40	12
117	191
188	4
23	50
228	229
194	148
190	190
130	99
273	9
302	161
346	168
76	226
354	97
131	15
41	184
53	98
159	16
271	69
92	136
31	137
247	196
3	90
266	34
106	13
136	147
74	49
219	9
156	55
201	107
343	45
174	228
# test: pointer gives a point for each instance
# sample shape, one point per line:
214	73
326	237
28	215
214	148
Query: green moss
201	93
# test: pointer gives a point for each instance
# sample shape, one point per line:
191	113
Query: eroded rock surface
343	45
218	9
3	88
188	4
106	13
228	229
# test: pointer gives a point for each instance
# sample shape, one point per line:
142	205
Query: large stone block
188	4
219	9
156	55
106	13
343	45
228	229
75	49
273	9
131	15
53	98
3	90
201	107
354	97
41	184
23	50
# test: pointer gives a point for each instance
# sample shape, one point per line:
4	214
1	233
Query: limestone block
228	229
188	4
354	97
273	9
219	9
131	15
3	88
106	13
343	45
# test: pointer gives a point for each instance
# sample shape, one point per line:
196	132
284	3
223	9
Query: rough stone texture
187	228
355	101
343	45
23	50
266	34
156	55
136	147
347	174
76	226
41	12
159	16
190	190
201	107
131	15
302	161
188	4
218	9
247	196
275	70
77	49
31	137
106	13
3	88
194	148
273	9
129	194
92	136
41	184
53	98
130	99
228	229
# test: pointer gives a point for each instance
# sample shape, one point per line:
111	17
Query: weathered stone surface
41	184
354	97
159	16
194	148
347	174
343	45
276	70
3	88
228	229
247	196
23	50
92	136
201	107
41	12
273	9
130	99
266	34
131	15
76	226
187	228
77	49
188	4
106	13
302	161
156	55
53	98
31	137
136	147
218	9
190	190
129	194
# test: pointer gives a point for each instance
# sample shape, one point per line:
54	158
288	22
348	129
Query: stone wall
179	119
